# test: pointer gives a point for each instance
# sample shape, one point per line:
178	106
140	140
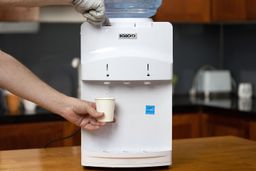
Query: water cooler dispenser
131	60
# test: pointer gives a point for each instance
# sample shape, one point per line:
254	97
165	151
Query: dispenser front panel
143	117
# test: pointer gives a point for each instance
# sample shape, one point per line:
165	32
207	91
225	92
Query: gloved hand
93	11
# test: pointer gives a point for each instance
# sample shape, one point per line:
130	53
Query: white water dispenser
131	60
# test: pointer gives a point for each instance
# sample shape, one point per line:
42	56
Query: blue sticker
150	110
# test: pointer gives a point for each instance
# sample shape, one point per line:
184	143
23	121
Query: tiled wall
194	46
240	52
49	52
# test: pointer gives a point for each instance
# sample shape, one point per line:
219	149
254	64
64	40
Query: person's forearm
34	3
16	78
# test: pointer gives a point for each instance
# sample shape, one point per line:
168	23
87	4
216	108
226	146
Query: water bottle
131	8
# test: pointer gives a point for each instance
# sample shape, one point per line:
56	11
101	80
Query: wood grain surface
198	154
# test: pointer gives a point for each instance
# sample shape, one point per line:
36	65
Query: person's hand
93	10
30	87
83	114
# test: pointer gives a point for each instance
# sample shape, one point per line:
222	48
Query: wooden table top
199	154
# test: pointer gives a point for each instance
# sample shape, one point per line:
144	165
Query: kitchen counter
218	153
40	115
233	106
181	103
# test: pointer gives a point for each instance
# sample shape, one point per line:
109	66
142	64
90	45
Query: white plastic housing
106	56
137	72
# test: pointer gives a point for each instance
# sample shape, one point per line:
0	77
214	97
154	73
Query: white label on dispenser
128	36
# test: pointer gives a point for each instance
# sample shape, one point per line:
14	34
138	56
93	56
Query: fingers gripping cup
107	106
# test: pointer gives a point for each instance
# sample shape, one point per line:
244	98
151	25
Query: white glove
93	10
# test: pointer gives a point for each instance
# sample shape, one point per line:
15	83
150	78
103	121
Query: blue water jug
131	8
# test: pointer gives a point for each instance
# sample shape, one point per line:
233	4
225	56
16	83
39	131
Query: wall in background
228	46
49	52
194	46
240	52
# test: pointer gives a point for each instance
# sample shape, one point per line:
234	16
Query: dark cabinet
184	11
19	14
206	11
228	10
204	124
186	125
37	135
222	125
251	10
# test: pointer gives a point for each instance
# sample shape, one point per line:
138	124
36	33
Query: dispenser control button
147	83
106	83
127	83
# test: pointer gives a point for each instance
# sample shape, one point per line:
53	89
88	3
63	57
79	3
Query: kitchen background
49	52
216	33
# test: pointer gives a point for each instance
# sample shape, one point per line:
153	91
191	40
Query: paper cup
107	106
